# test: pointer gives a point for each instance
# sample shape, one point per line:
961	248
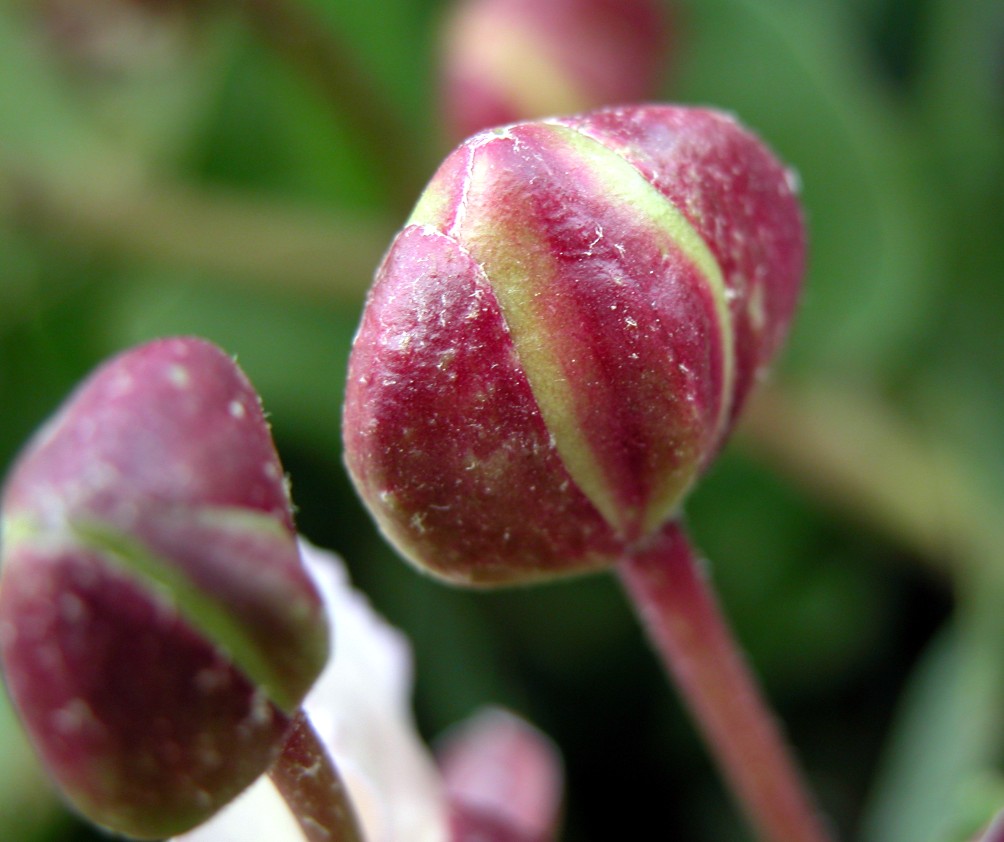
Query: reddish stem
685	625
309	782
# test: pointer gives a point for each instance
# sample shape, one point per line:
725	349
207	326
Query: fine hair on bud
157	628
562	336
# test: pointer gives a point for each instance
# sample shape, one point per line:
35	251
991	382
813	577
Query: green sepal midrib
210	618
540	353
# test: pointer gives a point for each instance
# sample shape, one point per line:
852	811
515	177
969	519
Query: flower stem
231	237
309	782
681	615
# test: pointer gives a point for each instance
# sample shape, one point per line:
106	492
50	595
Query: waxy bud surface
559	341
157	628
509	60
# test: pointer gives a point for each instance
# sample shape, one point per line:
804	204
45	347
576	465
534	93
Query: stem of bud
680	613
311	786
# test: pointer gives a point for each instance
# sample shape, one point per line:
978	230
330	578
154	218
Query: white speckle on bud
793	180
260	713
211	680
236	409
75	716
756	308
71	608
122	384
179	376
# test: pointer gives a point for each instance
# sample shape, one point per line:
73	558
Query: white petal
360	707
258	813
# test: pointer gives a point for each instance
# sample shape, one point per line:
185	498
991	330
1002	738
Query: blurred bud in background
115	37
509	60
137	73
500	771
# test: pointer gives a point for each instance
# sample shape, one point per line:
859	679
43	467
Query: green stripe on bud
157	627
631	272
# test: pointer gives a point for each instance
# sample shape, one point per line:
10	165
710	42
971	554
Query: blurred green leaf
271	130
807	608
29	809
393	42
902	182
946	736
794	73
296	354
19	287
960	92
38	116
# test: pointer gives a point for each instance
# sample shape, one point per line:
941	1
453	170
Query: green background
193	176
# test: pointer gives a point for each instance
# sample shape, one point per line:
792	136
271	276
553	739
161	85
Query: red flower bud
509	60
560	339
157	628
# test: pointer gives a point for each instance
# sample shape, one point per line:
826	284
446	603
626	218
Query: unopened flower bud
157	628
503	779
509	60
560	339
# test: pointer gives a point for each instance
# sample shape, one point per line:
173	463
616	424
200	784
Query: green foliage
30	809
893	115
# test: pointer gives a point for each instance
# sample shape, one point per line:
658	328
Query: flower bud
503	778
508	60
157	628
561	337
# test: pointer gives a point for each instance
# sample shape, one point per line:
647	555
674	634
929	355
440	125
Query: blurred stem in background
852	454
33	813
307	44
240	238
846	448
62	176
